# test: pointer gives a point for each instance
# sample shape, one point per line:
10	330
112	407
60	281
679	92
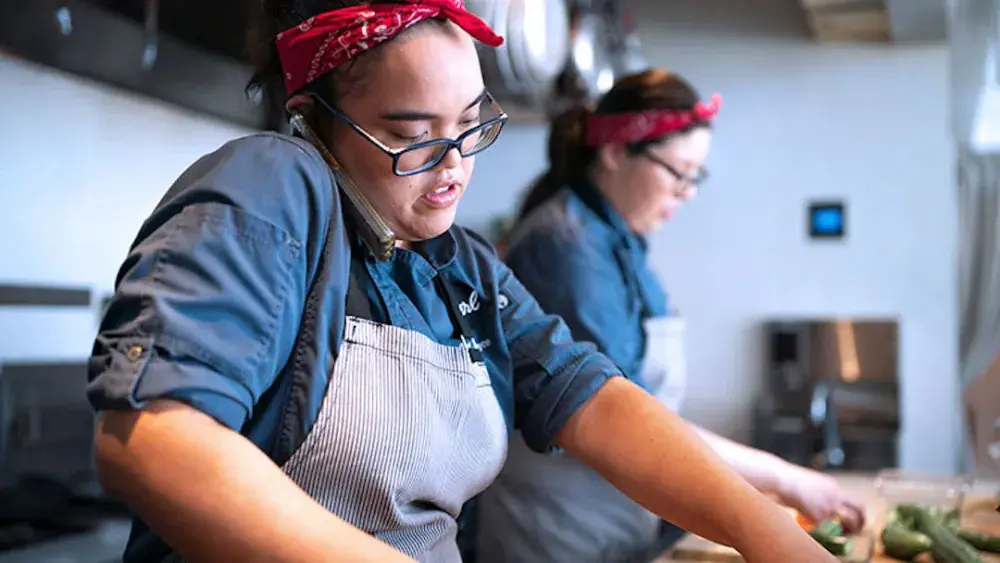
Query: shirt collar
426	258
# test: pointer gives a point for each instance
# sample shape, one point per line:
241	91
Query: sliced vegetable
804	522
901	542
946	546
951	519
837	545
830	528
948	517
981	541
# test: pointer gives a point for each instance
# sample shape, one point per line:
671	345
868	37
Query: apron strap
290	420
358	304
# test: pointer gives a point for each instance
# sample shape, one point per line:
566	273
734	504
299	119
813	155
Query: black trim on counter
43	296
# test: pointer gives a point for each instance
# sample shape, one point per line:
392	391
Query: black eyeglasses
423	156
686	181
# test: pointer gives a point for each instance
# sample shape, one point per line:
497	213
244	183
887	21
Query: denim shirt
211	298
581	261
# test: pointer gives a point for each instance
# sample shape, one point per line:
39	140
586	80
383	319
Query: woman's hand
819	497
654	457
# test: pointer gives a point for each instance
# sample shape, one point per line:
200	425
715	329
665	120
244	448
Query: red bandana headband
327	41
635	127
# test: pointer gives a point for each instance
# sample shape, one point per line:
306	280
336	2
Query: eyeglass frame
688	182
395	154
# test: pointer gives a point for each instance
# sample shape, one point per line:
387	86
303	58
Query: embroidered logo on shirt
470	306
473	344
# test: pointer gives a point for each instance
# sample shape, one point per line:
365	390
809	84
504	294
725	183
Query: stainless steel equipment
626	48
536	44
557	52
604	46
46	424
591	72
48	481
832	397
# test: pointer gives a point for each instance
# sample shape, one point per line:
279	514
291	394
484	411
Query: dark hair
569	157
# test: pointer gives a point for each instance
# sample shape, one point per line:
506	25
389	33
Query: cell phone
374	231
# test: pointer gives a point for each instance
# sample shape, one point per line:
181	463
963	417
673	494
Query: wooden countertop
978	512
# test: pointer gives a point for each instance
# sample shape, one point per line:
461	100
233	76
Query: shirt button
134	353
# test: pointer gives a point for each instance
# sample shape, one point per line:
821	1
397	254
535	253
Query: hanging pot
628	57
493	12
590	71
539	44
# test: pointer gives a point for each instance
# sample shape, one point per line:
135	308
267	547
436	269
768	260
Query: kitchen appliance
47	424
832	393
48	481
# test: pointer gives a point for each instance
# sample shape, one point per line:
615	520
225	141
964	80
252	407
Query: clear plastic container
948	492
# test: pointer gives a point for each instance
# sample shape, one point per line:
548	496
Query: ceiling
877	21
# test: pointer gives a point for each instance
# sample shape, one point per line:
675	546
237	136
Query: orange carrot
804	522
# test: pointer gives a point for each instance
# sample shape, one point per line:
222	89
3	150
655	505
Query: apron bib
408	431
664	365
554	508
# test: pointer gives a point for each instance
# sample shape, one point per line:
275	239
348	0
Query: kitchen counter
978	512
103	544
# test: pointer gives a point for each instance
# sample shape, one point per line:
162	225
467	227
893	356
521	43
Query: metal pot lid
540	32
590	56
628	57
505	71
498	80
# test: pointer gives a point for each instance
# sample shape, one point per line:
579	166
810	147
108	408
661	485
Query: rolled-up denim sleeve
208	300
553	374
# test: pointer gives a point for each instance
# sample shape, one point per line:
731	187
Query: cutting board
978	513
695	548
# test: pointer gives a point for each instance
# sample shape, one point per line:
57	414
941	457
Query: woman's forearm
655	458
213	496
760	469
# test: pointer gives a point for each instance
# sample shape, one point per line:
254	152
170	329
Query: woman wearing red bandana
618	173
305	360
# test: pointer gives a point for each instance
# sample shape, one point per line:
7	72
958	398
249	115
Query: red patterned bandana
635	127
324	42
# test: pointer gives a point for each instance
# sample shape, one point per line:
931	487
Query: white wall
868	124
82	165
799	121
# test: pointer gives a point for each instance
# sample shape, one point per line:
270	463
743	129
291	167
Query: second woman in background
615	175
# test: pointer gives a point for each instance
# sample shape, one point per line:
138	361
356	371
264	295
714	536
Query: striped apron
553	508
408	431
